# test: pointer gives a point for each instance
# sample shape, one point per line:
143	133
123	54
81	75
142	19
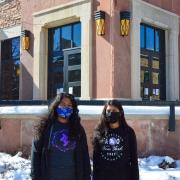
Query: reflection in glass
74	59
58	77
61	38
77	35
57	53
155	94
155	78
142	76
144	62
56	39
146	76
149	38
154	91
157	40
74	75
152	62
142	36
77	91
66	36
146	91
155	64
16	50
10	69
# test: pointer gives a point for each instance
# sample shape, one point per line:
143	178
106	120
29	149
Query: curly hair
74	119
103	125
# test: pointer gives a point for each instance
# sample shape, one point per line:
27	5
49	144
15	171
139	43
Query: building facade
51	46
65	52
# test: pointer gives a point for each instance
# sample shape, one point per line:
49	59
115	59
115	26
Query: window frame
50	90
9	96
162	63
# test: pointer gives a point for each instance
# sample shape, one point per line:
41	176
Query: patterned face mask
64	112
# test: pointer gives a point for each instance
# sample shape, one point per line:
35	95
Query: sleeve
86	159
36	160
133	157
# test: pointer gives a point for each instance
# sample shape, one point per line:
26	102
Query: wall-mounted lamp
124	23
25	35
100	22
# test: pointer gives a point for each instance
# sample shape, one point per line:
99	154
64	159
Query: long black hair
103	125
74	119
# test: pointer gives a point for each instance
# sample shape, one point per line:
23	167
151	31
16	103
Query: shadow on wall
26	78
31	49
26	81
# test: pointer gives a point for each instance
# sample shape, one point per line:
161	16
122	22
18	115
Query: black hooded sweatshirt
39	156
115	155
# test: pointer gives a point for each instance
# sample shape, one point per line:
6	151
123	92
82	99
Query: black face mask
113	117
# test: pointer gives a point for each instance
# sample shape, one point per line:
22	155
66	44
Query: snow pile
150	170
14	167
17	168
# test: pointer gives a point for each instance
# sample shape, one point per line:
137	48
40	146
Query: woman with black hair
115	147
60	151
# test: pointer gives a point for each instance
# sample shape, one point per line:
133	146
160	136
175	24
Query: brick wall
10	13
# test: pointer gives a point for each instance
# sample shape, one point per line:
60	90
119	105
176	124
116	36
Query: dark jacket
40	150
109	164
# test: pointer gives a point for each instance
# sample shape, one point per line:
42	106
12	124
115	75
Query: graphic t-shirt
112	158
61	164
112	146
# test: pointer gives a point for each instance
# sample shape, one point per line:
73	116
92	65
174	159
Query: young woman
60	151
115	148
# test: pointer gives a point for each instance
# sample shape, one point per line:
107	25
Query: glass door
64	59
153	79
72	71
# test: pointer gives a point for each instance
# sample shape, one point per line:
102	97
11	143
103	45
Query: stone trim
10	32
90	112
168	21
56	16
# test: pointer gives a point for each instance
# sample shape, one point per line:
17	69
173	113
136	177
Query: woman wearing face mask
115	148
60	151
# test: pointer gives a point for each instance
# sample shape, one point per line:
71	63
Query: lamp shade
25	35
100	22
124	22
125	15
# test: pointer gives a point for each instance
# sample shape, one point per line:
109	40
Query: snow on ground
149	170
14	167
17	168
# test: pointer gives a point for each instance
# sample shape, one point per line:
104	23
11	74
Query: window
142	37
77	35
157	34
149	38
152	63
66	37
10	64
64	73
